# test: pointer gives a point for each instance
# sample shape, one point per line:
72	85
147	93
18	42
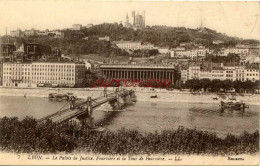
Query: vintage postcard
129	82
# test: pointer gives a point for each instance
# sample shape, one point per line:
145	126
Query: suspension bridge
83	110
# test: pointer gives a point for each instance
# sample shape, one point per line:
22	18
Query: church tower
143	13
133	15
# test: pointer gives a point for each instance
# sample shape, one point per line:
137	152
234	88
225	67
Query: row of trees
231	58
219	85
145	53
78	46
102	82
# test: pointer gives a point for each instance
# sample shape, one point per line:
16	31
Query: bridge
83	110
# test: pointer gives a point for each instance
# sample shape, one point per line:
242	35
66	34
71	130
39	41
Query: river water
146	116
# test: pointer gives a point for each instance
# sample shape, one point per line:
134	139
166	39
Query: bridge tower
105	92
72	102
88	117
90	113
118	104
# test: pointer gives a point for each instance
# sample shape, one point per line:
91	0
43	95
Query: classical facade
141	72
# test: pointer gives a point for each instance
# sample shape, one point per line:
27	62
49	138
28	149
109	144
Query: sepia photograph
129	82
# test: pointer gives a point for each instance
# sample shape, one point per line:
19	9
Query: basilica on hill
136	21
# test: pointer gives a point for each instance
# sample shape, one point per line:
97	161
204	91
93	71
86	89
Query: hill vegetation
86	41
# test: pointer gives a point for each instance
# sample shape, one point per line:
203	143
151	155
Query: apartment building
200	52
35	73
131	45
239	51
222	73
193	72
251	74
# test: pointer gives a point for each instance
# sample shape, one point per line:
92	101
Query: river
146	116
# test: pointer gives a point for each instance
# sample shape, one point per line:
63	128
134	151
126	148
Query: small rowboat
154	96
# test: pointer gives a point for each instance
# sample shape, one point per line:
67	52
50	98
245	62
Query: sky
237	19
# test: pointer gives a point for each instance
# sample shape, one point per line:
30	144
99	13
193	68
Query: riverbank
142	94
70	137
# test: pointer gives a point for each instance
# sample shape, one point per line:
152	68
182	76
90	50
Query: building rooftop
44	62
126	41
156	66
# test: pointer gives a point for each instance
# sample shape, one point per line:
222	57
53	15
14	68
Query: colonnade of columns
139	74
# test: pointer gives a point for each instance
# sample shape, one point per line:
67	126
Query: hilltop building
19	33
106	38
76	27
136	21
133	45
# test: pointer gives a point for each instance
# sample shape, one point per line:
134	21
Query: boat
154	96
67	96
60	97
233	105
52	95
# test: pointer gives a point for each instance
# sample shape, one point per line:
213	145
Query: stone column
172	77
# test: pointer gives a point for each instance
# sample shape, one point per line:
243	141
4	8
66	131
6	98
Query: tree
237	86
215	85
205	83
227	85
193	84
248	85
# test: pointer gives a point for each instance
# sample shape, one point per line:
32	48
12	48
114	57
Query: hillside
74	42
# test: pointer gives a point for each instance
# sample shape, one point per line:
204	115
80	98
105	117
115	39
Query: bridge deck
67	114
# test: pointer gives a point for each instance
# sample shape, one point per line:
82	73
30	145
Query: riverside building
141	72
231	73
33	74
